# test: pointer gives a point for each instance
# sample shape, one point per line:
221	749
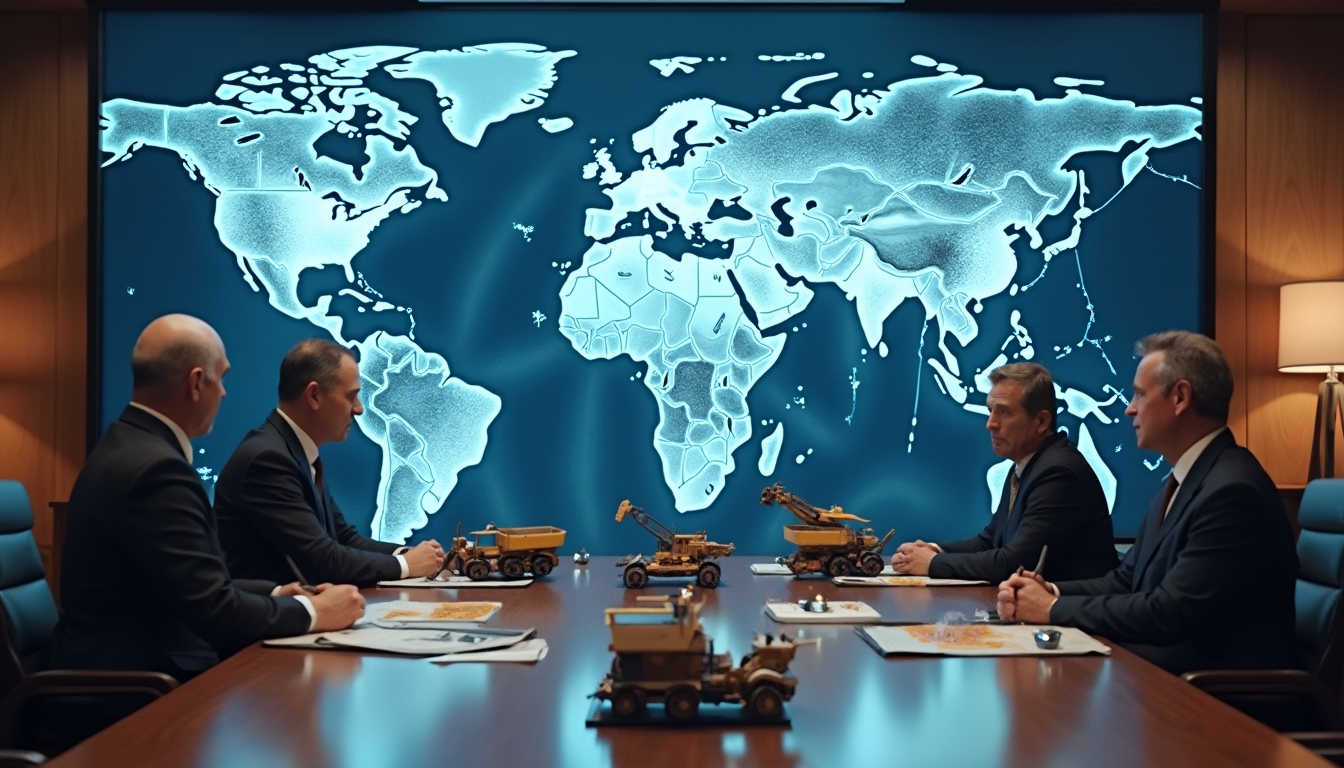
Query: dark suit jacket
269	507
1060	503
143	580
1212	586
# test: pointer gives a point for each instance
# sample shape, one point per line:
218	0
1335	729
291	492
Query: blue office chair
1306	699
54	709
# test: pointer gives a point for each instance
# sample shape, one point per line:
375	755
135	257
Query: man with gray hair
1182	597
143	580
1051	496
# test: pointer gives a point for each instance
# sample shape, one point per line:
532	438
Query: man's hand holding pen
1026	596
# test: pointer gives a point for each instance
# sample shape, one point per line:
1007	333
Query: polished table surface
283	707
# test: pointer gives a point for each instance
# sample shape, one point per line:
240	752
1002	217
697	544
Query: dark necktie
1168	493
317	473
1014	482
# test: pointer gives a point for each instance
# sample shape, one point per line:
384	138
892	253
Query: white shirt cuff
308	606
935	548
405	569
1054	589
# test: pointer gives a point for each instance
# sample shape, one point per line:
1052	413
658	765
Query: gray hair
1038	389
1197	359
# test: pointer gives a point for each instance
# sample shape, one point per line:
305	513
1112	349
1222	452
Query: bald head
176	368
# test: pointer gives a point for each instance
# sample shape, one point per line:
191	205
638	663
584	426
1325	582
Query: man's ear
196	383
310	394
1182	398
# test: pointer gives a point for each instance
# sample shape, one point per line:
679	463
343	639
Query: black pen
303	583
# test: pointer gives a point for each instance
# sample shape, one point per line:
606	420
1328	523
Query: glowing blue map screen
669	255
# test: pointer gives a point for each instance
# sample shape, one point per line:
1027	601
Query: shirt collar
309	447
183	441
1192	454
1022	464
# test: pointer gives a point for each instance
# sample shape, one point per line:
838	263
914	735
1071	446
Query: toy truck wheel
766	702
512	567
636	576
541	566
708	577
870	564
839	566
478	570
682	704
626	702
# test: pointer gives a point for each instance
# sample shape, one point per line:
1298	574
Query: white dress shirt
310	453
184	443
1182	467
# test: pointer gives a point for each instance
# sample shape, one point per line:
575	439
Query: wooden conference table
281	707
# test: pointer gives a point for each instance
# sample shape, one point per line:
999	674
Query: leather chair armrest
20	758
151	685
1269	682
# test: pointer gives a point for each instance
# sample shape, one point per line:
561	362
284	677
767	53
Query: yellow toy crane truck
825	544
678	554
510	551
663	656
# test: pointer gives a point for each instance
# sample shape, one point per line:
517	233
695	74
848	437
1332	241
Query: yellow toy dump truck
678	554
663	656
510	551
826	545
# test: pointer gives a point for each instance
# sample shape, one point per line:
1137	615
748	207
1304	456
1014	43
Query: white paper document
775	569
448	581
976	640
416	640
526	651
405	611
841	612
903	581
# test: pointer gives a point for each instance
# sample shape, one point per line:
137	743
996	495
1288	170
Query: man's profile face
1014	433
1151	412
338	407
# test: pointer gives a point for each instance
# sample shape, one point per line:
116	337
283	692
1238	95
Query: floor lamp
1311	340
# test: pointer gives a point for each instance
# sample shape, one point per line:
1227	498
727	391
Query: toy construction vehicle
678	554
662	656
826	545
510	551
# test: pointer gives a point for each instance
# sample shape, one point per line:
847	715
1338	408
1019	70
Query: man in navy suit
272	498
1209	583
143	581
1051	496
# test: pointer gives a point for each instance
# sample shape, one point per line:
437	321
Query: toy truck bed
530	537
817	536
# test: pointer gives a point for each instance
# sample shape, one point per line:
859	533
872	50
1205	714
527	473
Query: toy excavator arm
662	533
806	513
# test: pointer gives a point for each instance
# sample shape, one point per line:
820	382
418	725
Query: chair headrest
16	514
1322	506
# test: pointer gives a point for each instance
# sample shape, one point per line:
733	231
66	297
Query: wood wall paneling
1294	160
1230	210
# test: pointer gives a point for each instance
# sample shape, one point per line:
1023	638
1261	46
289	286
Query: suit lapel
300	458
1015	514
1156	528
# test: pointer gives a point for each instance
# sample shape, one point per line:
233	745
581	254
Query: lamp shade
1311	327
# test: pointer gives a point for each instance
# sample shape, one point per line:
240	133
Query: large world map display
675	273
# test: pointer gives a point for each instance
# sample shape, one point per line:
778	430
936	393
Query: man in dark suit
272	499
1210	580
1051	496
143	580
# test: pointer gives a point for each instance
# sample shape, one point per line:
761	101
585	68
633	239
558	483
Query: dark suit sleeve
255	586
347	535
271	498
1118	581
978	543
168	534
1227	534
1050	513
